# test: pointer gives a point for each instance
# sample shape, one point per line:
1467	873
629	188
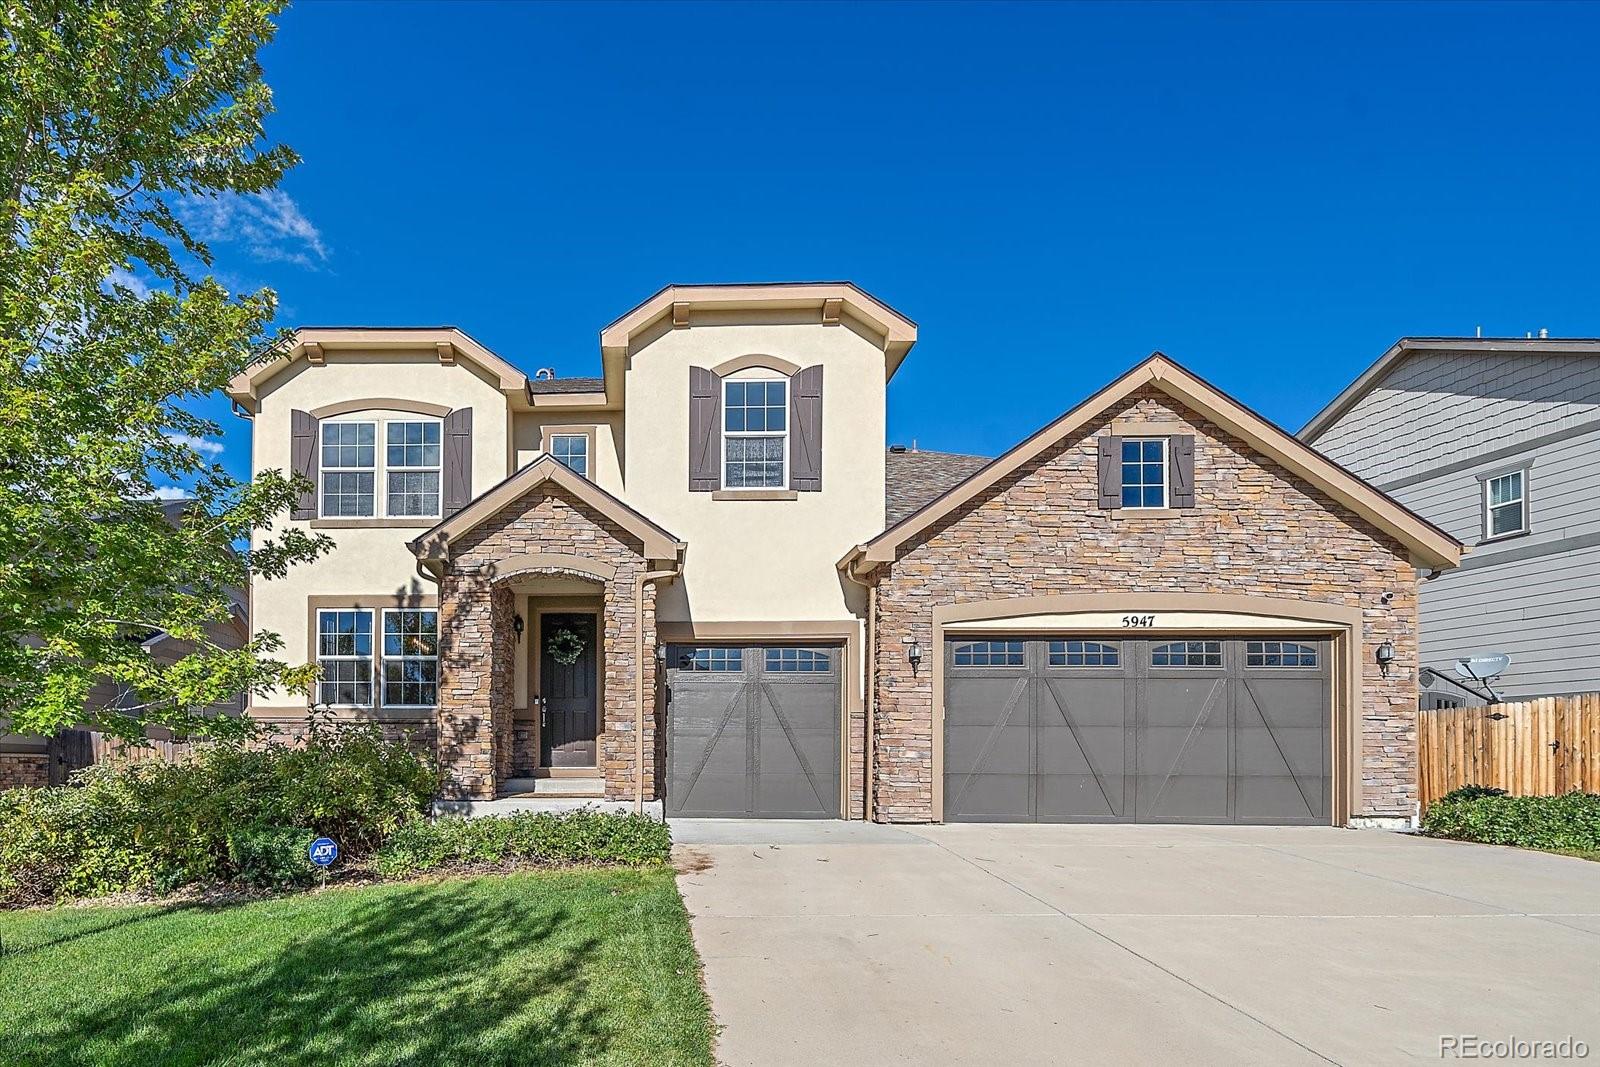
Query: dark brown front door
568	719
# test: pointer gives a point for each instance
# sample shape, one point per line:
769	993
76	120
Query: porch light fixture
661	653
1385	657
914	655
516	626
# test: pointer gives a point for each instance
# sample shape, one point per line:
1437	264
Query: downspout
638	681
870	747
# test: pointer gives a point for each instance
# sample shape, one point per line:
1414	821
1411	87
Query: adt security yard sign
323	851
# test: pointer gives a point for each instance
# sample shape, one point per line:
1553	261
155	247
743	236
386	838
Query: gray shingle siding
1427	434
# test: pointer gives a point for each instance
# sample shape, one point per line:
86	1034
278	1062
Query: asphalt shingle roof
566	385
915	478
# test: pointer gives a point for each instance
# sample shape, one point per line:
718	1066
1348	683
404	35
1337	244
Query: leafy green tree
114	114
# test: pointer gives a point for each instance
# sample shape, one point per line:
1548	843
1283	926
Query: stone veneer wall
18	769
477	745
1257	529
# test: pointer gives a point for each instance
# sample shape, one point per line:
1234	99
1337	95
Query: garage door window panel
1187	654
1084	654
988	654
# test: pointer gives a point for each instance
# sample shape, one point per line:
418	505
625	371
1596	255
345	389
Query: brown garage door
1185	730
753	731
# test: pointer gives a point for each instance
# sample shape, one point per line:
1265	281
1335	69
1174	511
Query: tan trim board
845	631
1342	623
373	524
1428	545
755	362
538	562
656	543
894	332
380	403
319	341
755	494
1136	428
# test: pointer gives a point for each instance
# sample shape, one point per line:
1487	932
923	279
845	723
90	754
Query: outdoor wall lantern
516	626
914	655
1385	657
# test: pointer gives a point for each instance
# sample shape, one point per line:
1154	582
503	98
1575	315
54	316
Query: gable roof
913	477
1429	546
896	332
310	342
433	547
1370	378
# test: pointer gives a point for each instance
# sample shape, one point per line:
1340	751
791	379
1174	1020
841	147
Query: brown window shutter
1182	473
457	433
705	431
1110	471
805	430
303	461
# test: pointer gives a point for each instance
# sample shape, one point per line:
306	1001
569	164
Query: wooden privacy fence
1541	747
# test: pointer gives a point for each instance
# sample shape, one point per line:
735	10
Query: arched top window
1187	654
1279	654
798	661
989	654
1084	654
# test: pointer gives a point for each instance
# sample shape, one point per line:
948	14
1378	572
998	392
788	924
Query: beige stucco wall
759	559
528	429
366	561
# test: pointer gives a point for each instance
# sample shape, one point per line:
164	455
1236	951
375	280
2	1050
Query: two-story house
1494	440
680	581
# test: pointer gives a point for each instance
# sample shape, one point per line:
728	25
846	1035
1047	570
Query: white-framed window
1144	472
755	433
408	467
572	451
344	653
349	469
410	657
411	459
1505	504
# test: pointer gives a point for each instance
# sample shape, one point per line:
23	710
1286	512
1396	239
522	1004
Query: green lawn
561	967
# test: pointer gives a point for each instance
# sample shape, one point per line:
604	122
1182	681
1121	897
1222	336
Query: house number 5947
1138	621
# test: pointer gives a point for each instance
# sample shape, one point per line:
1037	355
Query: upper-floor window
572	450
755	434
410	469
349	469
1505	504
1144	472
412	461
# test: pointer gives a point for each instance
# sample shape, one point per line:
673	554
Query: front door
568	718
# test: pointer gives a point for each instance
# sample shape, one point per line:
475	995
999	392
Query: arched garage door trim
1340	622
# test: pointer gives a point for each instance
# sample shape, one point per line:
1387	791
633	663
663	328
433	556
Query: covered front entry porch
547	645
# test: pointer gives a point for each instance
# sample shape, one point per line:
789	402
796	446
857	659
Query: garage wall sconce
1385	656
914	656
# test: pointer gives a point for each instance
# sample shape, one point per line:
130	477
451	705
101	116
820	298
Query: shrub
273	857
583	836
1473	792
150	827
1564	823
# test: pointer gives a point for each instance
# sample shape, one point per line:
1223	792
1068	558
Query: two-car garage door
1191	730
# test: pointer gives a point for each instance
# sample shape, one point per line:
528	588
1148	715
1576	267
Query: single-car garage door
1190	730
753	731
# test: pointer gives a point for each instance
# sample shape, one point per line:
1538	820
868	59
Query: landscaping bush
1569	823
273	857
222	814
583	836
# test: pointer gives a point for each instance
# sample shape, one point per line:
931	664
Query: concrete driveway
847	942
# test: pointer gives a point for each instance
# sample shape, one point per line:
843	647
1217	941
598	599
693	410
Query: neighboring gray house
1497	441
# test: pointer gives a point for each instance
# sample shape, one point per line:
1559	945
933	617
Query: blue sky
1271	195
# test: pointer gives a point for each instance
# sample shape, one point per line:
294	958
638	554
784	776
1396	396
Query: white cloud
129	280
270	226
168	492
199	444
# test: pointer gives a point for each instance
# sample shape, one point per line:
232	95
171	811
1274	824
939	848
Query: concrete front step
553	787
530	802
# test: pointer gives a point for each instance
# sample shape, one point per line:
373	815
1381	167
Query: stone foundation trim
1341	623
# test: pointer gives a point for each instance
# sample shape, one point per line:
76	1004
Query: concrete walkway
845	942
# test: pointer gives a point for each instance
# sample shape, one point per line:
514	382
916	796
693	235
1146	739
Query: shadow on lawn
401	979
